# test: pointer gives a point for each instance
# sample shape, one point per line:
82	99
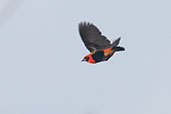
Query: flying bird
99	46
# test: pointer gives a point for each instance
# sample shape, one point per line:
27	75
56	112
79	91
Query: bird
101	49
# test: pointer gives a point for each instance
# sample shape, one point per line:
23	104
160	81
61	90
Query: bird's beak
83	60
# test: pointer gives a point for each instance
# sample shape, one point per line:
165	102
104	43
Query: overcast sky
41	50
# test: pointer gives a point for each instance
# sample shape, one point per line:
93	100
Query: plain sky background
41	50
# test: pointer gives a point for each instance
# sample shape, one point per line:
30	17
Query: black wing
92	37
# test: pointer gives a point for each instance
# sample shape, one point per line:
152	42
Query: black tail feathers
115	47
116	42
118	48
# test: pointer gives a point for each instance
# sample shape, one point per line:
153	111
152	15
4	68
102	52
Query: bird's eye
87	58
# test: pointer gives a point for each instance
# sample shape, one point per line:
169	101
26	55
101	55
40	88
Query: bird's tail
116	42
118	48
115	45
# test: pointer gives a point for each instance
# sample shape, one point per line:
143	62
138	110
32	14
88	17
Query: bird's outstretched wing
92	37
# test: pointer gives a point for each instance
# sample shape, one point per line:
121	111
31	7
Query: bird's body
99	46
99	56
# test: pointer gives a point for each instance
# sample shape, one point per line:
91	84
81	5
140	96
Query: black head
85	59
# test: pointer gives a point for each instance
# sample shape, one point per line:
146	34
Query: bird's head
86	58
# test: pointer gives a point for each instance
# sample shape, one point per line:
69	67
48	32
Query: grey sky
41	50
